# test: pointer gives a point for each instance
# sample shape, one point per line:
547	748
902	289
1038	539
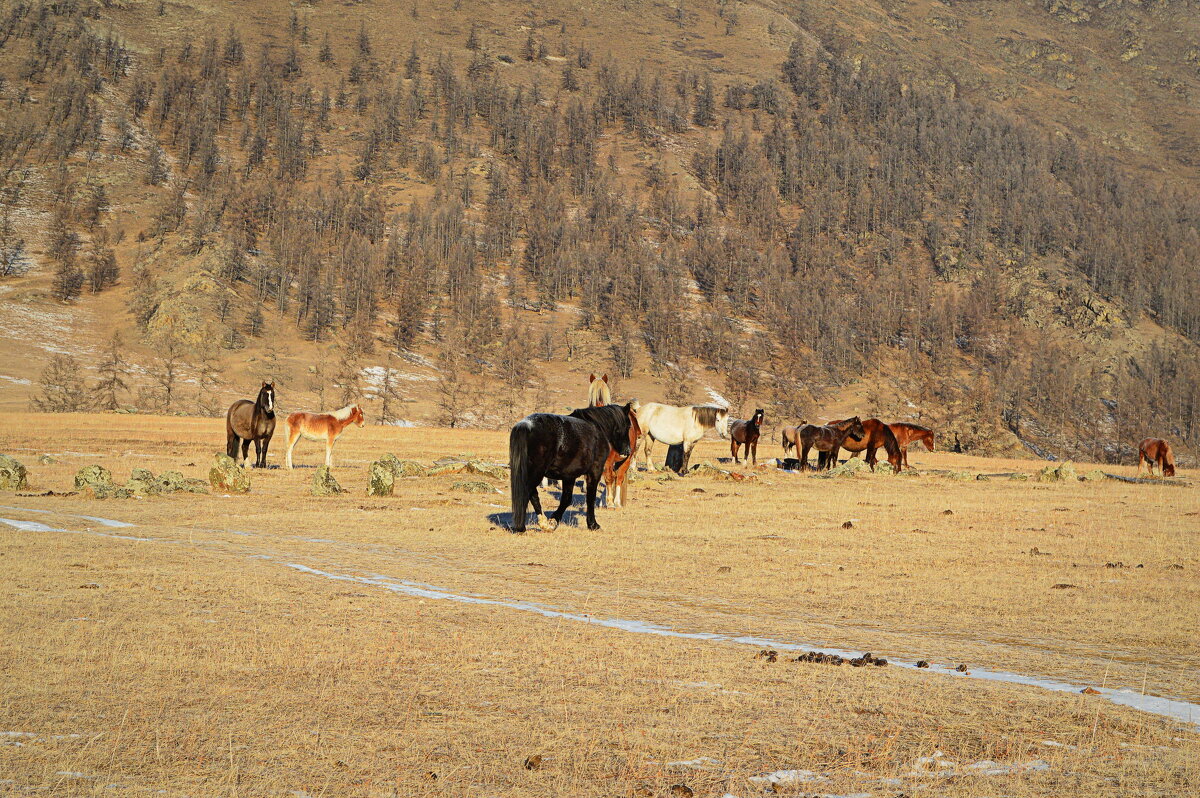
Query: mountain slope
979	215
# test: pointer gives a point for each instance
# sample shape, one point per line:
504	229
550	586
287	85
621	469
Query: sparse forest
834	223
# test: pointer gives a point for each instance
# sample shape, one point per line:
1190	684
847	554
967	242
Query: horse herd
598	442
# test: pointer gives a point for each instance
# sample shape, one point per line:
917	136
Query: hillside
981	214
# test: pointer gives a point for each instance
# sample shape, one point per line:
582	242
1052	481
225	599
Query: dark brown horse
828	439
747	433
251	421
907	433
878	435
1156	450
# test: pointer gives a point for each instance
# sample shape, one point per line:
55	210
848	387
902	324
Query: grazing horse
598	393
679	425
1156	450
877	435
321	427
788	439
247	421
746	432
907	433
616	474
828	439
565	448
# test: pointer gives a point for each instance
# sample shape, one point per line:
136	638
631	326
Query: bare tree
62	386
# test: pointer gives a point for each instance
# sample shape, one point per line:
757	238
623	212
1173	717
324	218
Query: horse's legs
1141	460
687	455
258	453
647	446
803	455
245	450
733	447
329	450
871	458
293	439
592	483
231	442
266	443
832	462
564	501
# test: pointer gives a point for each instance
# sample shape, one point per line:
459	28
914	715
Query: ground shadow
576	517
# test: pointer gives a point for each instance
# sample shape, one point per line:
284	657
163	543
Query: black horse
251	421
566	448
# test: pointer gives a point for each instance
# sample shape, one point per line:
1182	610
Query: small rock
768	654
13	475
143	482
961	669
473	487
533	762
226	476
848	525
324	484
699	490
724	569
681	791
922	663
47	460
493	470
947	512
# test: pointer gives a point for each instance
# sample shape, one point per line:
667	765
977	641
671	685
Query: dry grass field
205	650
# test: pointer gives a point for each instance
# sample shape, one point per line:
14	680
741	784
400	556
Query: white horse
679	425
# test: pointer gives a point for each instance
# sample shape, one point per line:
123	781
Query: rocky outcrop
473	487
324	484
381	479
13	475
226	476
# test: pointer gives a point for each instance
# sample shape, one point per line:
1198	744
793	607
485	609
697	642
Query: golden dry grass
202	664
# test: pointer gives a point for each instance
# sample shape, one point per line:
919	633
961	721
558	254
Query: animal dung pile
324	484
226	476
13	475
821	658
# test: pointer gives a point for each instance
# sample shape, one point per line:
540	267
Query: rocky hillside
981	215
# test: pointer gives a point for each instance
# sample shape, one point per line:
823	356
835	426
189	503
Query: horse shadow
575	516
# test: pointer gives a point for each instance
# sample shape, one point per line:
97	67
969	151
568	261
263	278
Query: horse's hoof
594	527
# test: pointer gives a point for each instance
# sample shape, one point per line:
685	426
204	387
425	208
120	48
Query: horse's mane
599	393
344	413
916	427
610	418
708	414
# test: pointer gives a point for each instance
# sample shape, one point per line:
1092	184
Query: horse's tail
518	464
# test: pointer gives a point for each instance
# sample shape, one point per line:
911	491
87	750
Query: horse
828	438
679	425
1156	450
746	432
907	433
247	421
321	427
788	439
877	435
564	448
616	474
599	394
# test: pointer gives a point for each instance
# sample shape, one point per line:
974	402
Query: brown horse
746	432
877	435
1156	450
616	475
788	439
907	433
247	421
828	439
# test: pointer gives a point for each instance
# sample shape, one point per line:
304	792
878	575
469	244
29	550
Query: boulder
473	487
712	472
442	469
1095	475
1019	477
143	482
226	476
47	460
1059	473
402	468
850	468
324	484
93	477
493	470
381	479
961	476
13	475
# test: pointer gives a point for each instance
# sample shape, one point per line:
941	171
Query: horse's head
356	416
928	440
266	397
856	430
722	425
758	417
618	436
